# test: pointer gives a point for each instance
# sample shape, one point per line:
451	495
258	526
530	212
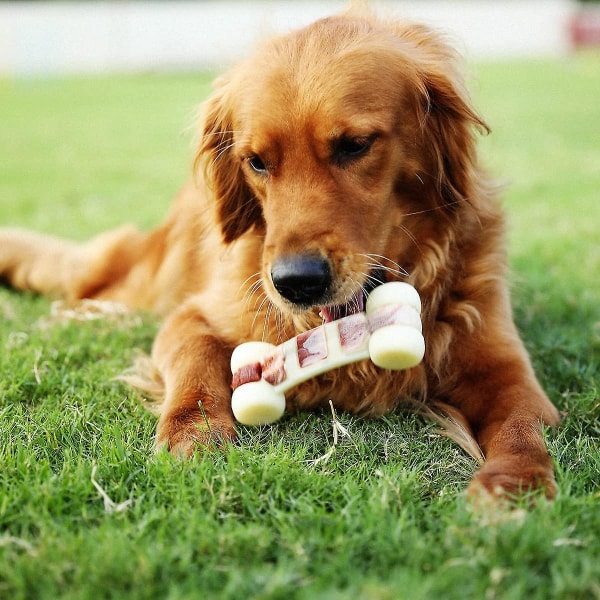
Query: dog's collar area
357	302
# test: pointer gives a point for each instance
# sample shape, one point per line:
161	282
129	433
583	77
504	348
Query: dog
332	159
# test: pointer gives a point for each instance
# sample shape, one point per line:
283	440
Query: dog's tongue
333	313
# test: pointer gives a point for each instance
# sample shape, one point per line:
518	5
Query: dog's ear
449	123
237	208
449	128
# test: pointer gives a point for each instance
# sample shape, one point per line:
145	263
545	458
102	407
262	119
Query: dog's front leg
194	364
506	408
517	460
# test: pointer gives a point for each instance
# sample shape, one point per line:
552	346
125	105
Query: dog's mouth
357	301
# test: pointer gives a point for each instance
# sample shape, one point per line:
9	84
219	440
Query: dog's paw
495	483
186	433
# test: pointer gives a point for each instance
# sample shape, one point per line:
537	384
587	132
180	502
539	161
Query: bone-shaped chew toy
389	333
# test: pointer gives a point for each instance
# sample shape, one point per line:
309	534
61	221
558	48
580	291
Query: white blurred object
96	37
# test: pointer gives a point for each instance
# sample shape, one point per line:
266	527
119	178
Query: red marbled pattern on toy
312	347
246	374
353	332
273	367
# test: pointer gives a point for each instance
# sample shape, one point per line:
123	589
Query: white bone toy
389	333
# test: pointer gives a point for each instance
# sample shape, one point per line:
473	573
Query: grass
384	517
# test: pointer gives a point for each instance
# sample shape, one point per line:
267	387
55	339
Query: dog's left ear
237	208
450	125
449	122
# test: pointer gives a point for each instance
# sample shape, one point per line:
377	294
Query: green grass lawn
384	517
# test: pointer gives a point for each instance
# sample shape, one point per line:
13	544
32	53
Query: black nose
302	278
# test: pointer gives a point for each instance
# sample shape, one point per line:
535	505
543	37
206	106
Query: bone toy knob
388	333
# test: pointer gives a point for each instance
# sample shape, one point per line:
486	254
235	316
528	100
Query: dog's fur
353	141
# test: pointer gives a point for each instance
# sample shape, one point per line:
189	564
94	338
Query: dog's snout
303	279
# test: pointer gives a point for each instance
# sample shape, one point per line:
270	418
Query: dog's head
325	140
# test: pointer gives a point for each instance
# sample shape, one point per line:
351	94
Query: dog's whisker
248	279
273	320
225	141
391	270
409	235
253	287
253	290
379	262
266	320
223	147
259	310
221	132
255	296
261	306
280	325
354	301
222	151
434	208
372	280
380	259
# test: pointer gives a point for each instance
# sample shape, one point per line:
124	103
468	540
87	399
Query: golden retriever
330	160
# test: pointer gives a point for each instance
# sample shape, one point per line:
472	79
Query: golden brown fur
354	140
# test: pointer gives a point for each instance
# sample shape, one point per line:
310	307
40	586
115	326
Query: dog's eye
256	164
347	149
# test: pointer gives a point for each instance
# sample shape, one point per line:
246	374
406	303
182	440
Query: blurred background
78	37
